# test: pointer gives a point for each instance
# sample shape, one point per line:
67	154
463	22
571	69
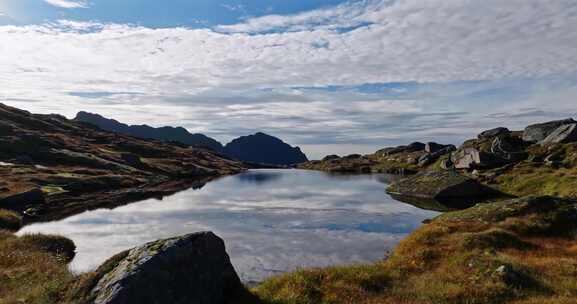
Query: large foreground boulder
194	269
440	185
538	132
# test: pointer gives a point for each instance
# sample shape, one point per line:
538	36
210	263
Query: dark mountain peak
264	148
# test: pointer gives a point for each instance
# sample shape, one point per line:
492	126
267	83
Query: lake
272	221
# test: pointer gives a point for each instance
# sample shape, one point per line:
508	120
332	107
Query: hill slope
50	163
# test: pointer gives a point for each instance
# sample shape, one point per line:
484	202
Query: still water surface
271	220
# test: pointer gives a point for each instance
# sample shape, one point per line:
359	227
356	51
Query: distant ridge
177	134
257	148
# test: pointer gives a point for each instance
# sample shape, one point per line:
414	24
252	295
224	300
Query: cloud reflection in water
271	220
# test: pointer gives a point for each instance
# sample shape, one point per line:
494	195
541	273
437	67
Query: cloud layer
68	3
299	76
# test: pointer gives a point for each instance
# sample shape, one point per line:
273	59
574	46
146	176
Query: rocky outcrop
263	148
563	134
413	147
194	268
490	152
440	185
538	132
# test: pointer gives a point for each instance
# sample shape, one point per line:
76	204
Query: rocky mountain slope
257	148
178	134
52	166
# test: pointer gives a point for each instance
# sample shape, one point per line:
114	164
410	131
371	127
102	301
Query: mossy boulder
194	268
440	185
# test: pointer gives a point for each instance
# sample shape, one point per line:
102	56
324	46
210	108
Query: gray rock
563	134
493	133
538	132
194	268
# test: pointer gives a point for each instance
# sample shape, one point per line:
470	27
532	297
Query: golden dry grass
29	274
455	259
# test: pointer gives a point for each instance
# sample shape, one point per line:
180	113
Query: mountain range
258	148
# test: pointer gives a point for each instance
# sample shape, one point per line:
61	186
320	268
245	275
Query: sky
331	76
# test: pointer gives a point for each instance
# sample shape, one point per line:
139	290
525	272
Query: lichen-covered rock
440	185
538	132
194	268
563	134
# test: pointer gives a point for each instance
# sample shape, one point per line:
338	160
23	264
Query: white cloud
68	3
207	75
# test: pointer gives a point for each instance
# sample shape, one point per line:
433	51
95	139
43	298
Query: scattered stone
493	133
563	134
194	268
538	132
